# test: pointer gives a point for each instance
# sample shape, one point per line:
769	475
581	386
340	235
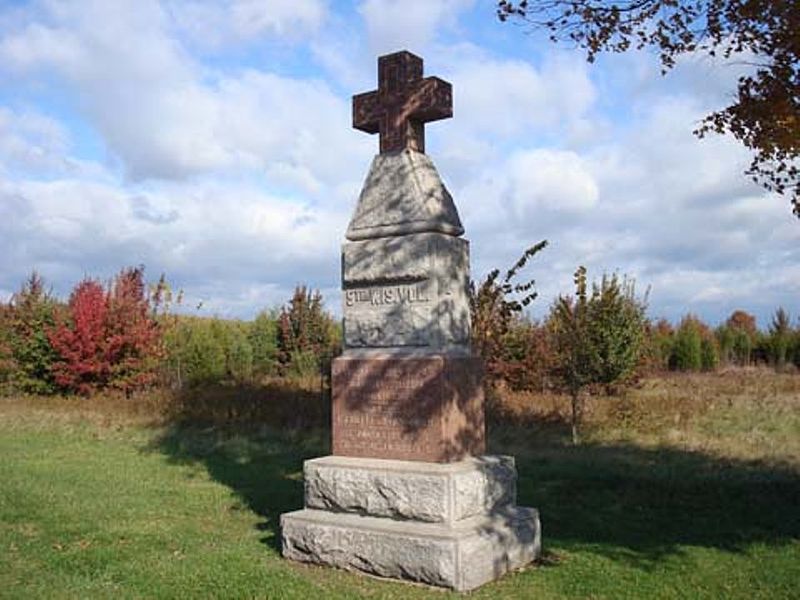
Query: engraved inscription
381	413
395	294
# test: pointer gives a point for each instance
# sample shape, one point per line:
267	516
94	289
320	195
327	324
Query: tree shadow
626	502
251	439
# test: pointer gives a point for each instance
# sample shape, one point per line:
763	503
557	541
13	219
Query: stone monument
408	492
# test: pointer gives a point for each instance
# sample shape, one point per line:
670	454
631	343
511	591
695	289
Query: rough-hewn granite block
462	556
426	492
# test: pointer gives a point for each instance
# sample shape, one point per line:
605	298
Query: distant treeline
126	336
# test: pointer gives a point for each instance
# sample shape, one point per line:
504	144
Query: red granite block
427	408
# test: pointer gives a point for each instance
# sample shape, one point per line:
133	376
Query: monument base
457	526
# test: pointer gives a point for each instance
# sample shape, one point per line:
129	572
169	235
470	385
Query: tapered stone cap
403	194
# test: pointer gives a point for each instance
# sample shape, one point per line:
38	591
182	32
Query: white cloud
509	97
163	118
216	25
219	242
408	24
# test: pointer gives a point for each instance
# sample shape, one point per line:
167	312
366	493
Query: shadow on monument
624	502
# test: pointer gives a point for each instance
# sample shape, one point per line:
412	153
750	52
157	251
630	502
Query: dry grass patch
740	413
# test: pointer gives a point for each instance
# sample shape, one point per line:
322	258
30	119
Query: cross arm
432	100
366	112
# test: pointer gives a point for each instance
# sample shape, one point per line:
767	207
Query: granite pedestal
453	525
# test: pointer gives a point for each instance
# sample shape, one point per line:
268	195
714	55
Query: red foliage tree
743	321
82	365
133	337
109	338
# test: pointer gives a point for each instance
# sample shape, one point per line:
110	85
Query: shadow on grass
251	439
639	505
631	504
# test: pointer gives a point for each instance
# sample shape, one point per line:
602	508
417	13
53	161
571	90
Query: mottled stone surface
426	492
403	194
407	291
408	407
461	556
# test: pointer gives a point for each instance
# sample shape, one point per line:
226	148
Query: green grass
99	507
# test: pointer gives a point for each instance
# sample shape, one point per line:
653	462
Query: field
687	487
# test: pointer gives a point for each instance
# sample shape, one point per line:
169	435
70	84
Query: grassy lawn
687	488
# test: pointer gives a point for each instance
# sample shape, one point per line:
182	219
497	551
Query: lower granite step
461	556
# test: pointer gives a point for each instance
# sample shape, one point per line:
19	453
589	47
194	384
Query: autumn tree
743	333
108	337
79	340
133	337
765	112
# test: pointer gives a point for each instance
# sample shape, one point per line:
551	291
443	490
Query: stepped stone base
452	525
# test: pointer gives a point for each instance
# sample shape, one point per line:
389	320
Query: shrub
527	356
709	357
494	305
7	365
657	345
780	338
239	355
195	353
744	336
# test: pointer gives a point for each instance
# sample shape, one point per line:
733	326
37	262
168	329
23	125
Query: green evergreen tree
31	314
709	359
780	337
687	349
263	338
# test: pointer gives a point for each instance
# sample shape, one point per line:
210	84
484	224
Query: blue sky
212	142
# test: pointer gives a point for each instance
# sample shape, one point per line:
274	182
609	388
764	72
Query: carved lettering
387	295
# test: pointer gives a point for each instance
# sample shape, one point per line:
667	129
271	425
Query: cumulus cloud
161	116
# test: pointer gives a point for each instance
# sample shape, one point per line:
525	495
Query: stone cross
402	104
